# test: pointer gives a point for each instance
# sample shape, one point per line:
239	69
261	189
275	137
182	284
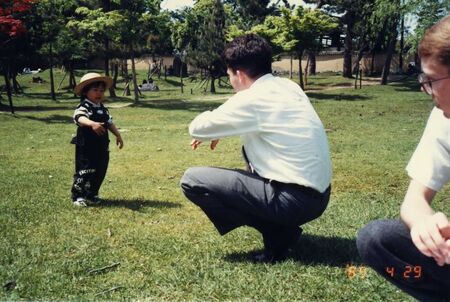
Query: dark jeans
90	169
234	198
387	247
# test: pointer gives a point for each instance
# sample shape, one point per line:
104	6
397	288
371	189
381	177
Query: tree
296	31
134	30
12	28
246	14
428	12
350	12
97	31
201	35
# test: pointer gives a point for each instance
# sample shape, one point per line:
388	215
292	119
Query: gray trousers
387	247
234	198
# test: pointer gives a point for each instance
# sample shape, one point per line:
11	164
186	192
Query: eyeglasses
426	83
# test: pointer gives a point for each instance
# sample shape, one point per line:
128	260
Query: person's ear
241	76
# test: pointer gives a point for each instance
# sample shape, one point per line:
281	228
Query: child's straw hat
92	77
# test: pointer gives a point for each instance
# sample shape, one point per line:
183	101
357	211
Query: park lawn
158	245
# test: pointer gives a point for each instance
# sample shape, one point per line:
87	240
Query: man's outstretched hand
195	143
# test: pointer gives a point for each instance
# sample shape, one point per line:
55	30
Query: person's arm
425	224
235	117
116	132
97	127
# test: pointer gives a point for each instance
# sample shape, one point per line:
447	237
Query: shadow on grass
336	96
343	84
51	119
4	107
409	84
138	204
174	83
314	250
178	104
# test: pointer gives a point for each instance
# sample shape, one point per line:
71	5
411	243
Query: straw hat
92	77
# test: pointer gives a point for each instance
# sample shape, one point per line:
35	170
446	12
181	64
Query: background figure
91	141
414	254
285	146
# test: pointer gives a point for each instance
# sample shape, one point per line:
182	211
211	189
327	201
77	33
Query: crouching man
287	181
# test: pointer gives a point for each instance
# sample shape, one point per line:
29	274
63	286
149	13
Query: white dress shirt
283	136
430	162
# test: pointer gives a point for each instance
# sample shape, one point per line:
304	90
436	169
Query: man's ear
242	76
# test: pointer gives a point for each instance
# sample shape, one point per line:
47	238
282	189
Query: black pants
91	163
387	247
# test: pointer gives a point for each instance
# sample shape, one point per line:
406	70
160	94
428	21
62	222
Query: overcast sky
176	4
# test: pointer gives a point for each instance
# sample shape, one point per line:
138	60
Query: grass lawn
147	242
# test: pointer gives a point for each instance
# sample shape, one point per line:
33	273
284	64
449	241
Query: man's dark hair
250	53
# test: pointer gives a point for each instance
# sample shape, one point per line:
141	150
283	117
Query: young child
91	142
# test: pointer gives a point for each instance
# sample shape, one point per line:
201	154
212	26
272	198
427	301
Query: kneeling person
414	253
287	182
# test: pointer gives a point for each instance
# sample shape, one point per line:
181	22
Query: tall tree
95	29
201	34
428	12
12	28
249	13
296	31
49	21
350	12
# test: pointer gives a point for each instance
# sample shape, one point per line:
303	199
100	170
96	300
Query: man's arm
425	224
235	117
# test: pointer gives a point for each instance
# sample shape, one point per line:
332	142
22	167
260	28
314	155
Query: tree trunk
359	58
72	80
372	62
52	79
306	72
300	71
290	68
124	68
16	85
115	73
213	86
347	68
390	53
133	71
402	37
8	88
312	62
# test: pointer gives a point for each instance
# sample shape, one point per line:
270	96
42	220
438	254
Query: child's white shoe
80	202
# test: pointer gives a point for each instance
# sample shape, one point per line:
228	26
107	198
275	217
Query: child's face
96	94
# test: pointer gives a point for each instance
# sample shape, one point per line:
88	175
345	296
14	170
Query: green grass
165	246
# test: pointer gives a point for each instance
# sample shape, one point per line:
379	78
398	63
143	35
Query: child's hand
98	128
119	141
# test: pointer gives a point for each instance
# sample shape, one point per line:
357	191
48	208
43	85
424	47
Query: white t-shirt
283	136
430	163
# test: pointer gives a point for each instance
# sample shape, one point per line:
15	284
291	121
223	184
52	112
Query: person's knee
369	238
190	178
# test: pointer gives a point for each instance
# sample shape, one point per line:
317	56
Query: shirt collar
263	78
92	103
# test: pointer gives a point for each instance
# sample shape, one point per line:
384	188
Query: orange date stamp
353	271
407	272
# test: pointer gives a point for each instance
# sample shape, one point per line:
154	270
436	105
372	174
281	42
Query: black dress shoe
276	251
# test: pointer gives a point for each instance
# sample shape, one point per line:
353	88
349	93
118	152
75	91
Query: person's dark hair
436	42
86	88
250	53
